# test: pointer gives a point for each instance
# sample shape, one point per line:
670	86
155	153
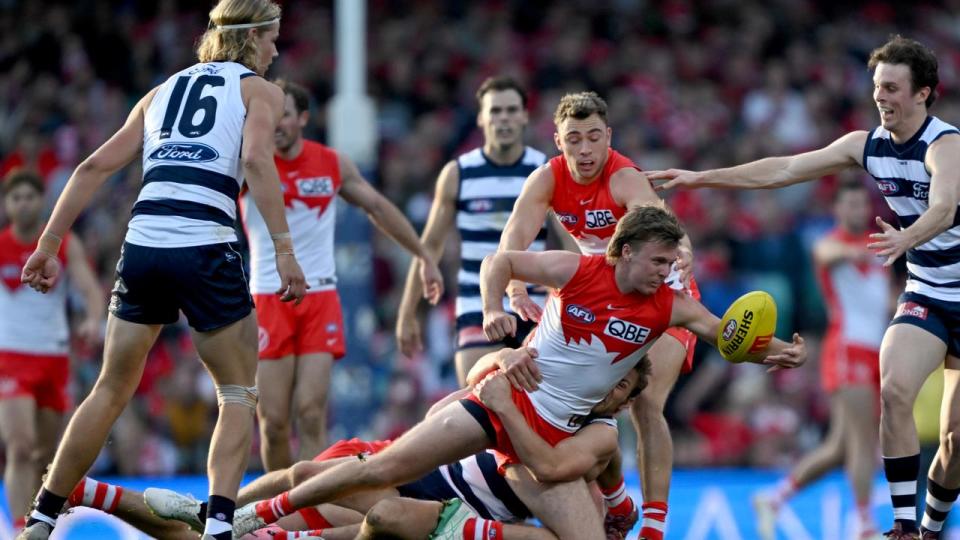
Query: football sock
617	501
783	491
477	527
314	519
98	495
47	508
901	473
220	518
293	535
654	520
939	502
273	509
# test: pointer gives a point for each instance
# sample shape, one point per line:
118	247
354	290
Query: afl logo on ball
729	329
263	338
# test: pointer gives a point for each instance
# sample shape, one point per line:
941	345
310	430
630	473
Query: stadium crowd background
690	85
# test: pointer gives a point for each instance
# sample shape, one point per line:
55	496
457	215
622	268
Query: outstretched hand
890	242
40	272
792	356
672	178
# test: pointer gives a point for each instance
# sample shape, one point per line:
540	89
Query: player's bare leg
411	456
311	389
128	506
403	518
275	482
124	355
861	440
18	429
654	442
908	355
945	469
275	381
49	428
565	508
464	359
230	355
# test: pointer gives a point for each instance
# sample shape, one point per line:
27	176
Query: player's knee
950	441
896	396
311	416
22	449
383	516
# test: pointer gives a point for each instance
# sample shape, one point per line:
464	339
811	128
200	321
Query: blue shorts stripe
187	209
180	174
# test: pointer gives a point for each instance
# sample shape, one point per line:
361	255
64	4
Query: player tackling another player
915	159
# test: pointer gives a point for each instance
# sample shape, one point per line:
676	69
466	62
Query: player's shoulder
257	86
533	157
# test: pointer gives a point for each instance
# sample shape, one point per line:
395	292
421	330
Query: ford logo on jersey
581	313
188	152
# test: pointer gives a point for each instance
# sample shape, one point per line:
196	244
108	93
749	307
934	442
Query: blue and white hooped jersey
933	268
484	202
192	174
477	482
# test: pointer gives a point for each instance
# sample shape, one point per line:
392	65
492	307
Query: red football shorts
351	447
844	364
686	338
315	326
42	377
503	447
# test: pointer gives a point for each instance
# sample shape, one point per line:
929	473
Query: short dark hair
300	95
915	55
580	106
847	187
500	83
18	177
647	223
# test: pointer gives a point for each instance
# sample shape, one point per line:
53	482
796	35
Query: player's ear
626	253
304	117
556	141
609	136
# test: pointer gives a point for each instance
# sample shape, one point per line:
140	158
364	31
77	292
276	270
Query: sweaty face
584	145
618	397
649	265
853	209
290	127
895	100
267	46
502	118
23	205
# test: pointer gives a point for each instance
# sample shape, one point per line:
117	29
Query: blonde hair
647	223
235	45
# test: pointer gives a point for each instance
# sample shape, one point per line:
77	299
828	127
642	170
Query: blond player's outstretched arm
692	315
391	221
443	213
529	213
773	172
943	161
547	268
264	102
42	269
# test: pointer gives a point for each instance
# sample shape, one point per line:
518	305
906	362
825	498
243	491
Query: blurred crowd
690	84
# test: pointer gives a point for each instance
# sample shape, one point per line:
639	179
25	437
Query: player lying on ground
631	307
494	499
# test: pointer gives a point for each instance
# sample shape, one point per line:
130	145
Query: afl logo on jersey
626	331
184	152
887	187
598	219
581	313
480	205
567	219
315	187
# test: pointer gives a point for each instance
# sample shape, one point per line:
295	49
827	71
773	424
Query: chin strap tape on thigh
235	393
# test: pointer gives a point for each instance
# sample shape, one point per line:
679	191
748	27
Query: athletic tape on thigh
235	393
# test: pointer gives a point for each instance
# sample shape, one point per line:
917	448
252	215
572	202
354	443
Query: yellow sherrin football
746	329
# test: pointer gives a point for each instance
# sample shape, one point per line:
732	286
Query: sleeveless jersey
477	482
192	174
933	268
310	184
857	296
485	200
588	212
31	322
590	336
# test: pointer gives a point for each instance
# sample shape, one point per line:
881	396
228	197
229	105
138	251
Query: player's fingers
534	370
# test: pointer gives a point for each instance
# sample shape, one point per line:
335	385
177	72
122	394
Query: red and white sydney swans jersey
857	296
590	336
310	183
588	212
31	322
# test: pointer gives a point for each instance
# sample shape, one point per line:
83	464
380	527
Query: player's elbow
255	164
945	214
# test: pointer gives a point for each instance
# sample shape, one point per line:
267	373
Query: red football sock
477	527
293	535
19	523
654	520
94	494
314	519
617	501
272	510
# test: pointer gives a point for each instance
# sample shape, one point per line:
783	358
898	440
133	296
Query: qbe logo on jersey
315	187
598	219
626	331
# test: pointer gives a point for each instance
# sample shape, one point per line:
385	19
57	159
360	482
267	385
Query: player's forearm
937	218
394	224
495	273
412	292
81	186
534	452
761	174
264	185
484	366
